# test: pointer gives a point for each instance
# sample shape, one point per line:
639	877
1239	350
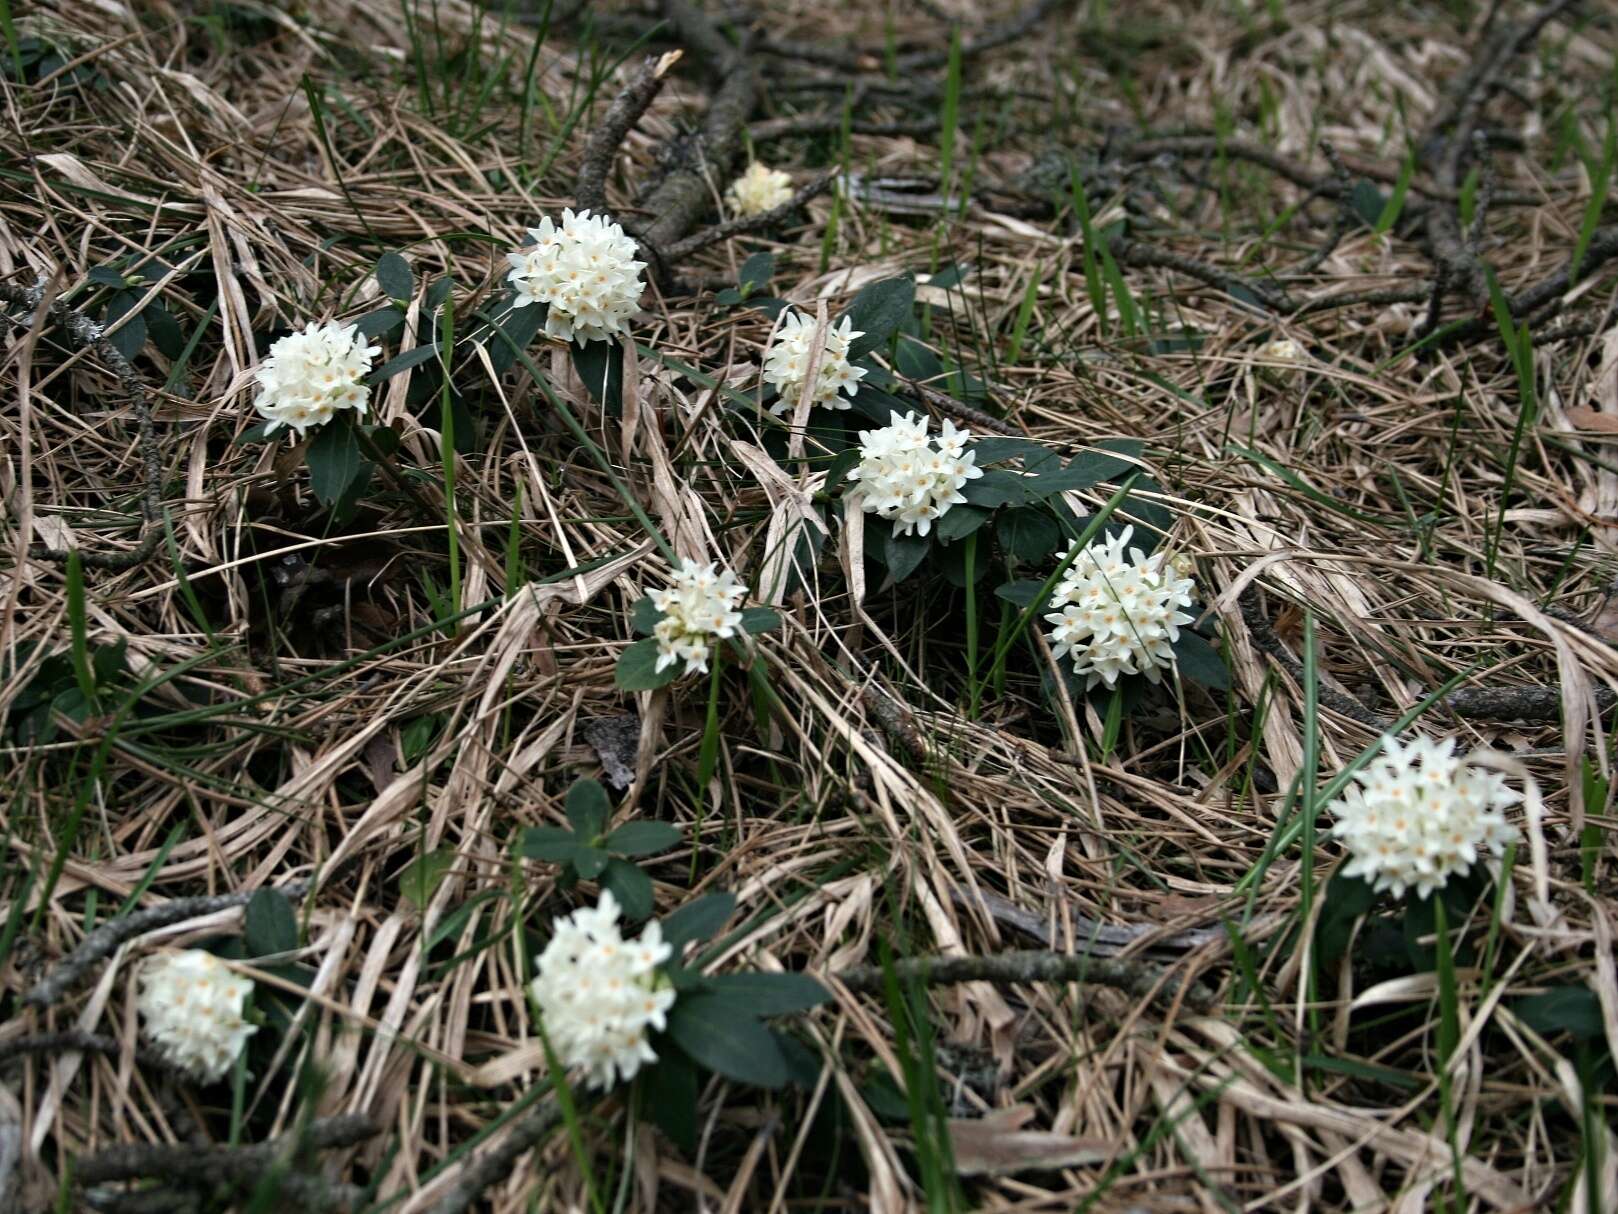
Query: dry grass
327	728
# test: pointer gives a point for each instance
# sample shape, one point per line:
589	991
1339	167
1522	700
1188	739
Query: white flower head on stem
584	270
908	478
309	377
699	609
601	995
1117	612
192	1005
759	189
787	364
1418	814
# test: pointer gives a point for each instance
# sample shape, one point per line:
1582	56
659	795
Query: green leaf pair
585	849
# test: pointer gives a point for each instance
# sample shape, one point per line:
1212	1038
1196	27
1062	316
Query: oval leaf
334	460
642	838
1200	662
393	275
588	808
637	668
698	920
551	844
712	1033
590	863
631	887
878	311
759	619
271	926
769	994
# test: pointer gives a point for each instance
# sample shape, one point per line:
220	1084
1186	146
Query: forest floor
1319	297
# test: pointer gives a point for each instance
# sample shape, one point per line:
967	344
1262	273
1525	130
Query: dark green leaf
840	467
254	434
1200	662
876	405
644	615
730	296
271	925
950	276
1029	534
521	325
438	293
757	271
698	920
637	668
334	460
422	876
769	994
631	887
132	336
588	808
950	560
760	619
670	1088
642	838
551	844
999	487
878	311
730	1043
1023	593
402	362
394	276
380	322
1367	201
995	448
903	553
600	365
1563	1009
916	361
958	522
1345	900
590	862
163	330
106	276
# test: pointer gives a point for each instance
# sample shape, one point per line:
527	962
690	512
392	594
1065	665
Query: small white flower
1282	349
699	608
192	1004
787	364
903	477
759	189
310	376
1417	815
585	270
600	994
1118	613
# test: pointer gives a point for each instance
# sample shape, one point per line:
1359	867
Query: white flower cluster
787	364
1119	613
1417	815
192	1004
309	376
585	270
698	609
600	993
759	189
904	477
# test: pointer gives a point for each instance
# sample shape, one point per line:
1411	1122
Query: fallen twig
241	1167
495	1165
104	940
749	223
87	334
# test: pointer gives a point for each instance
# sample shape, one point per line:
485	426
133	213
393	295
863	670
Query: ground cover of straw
1395	499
